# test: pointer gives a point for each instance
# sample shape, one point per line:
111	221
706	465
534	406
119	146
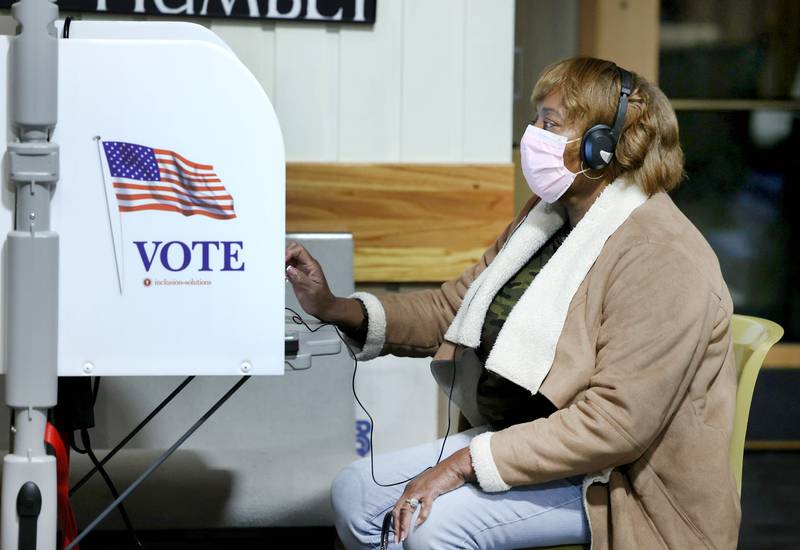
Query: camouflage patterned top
501	401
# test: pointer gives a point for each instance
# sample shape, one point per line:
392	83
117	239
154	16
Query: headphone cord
297	319
387	518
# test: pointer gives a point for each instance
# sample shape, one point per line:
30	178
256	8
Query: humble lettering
354	11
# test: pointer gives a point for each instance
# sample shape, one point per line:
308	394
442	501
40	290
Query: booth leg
29	509
29	487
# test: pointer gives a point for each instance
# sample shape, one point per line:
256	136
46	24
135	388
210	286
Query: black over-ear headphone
599	141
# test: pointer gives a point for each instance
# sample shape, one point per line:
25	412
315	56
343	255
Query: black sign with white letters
343	11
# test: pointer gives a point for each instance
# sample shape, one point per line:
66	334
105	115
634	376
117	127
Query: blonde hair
648	152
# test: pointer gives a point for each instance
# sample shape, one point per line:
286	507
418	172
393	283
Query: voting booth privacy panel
164	110
170	206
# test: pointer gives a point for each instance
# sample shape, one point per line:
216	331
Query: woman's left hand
451	473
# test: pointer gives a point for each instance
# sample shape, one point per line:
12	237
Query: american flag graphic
145	178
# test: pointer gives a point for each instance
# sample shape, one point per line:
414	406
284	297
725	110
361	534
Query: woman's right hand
308	282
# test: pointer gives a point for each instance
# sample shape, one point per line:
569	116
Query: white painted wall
546	32
431	81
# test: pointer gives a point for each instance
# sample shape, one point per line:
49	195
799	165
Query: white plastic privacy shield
170	211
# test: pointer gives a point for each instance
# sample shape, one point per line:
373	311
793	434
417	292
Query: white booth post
29	474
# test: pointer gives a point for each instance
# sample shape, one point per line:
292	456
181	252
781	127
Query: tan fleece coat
642	371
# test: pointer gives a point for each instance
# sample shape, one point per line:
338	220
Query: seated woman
591	347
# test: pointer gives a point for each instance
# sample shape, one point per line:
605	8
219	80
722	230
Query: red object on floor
66	516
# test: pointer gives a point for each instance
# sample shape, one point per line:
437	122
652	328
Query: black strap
622	107
359	335
29	504
131	435
387	526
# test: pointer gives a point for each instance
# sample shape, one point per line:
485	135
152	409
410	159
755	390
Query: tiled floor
770	518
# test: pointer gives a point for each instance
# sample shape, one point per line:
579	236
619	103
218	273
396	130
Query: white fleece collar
526	345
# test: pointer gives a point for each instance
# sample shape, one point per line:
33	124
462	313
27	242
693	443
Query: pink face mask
542	155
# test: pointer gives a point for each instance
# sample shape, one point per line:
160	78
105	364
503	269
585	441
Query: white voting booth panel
151	127
269	455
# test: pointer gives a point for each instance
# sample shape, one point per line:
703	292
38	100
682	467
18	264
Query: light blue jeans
535	515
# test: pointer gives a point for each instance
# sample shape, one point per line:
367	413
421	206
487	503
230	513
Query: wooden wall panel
783	356
410	222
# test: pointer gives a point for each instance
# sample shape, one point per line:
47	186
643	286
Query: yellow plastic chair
752	339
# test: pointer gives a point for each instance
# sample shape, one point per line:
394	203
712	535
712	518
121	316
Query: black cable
387	519
74	446
67	23
87	444
158	462
385	527
95	390
132	434
297	319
